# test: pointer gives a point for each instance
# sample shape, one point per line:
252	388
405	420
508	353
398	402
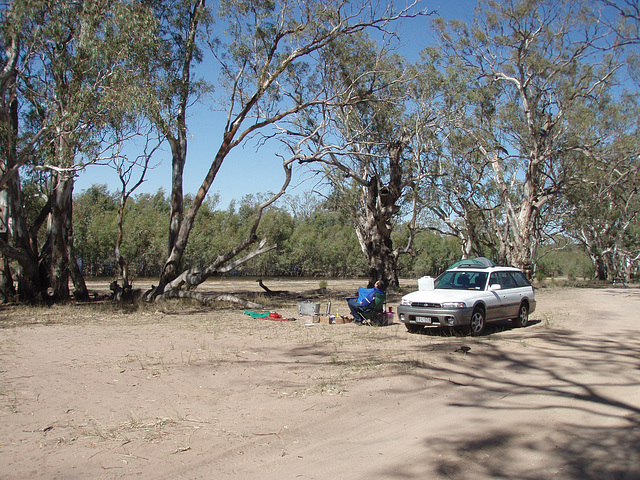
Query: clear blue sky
246	170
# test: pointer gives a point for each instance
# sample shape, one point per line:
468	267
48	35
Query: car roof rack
478	262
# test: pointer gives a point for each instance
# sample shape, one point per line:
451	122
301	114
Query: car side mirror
495	286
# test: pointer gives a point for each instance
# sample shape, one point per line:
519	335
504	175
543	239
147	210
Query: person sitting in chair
370	302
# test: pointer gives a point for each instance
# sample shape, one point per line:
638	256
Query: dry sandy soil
180	391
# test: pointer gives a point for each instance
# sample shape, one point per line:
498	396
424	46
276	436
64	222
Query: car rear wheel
523	316
478	322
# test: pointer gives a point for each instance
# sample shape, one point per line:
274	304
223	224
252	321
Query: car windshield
462	280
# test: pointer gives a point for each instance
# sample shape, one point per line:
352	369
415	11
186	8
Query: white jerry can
425	283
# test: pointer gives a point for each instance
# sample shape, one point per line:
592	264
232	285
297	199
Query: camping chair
373	314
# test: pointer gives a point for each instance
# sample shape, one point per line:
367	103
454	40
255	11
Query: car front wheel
478	322
523	316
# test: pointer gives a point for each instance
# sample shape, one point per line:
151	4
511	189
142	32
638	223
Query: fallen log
207	299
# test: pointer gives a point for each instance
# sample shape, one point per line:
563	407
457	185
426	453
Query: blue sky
246	170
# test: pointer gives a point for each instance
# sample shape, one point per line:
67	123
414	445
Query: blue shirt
366	296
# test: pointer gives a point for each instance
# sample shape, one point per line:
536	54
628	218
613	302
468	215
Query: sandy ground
181	391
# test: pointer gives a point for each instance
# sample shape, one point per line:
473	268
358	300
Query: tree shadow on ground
604	446
572	452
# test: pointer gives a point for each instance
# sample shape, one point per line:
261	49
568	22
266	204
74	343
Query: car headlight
454	305
406	302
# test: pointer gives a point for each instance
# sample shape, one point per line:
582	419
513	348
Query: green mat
256	314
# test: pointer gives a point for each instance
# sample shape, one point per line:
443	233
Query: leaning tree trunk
170	269
178	143
179	154
228	261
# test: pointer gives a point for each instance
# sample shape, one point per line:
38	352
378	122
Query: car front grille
425	305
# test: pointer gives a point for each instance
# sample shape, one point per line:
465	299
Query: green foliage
146	223
95	229
571	261
433	254
321	243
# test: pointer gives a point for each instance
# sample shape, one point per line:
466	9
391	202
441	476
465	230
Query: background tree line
516	133
314	239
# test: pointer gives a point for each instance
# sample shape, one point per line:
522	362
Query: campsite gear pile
312	309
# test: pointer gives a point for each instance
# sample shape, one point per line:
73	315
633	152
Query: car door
512	296
508	295
495	305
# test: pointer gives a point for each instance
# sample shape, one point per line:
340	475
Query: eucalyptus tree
604	218
627	22
15	241
183	26
372	151
68	67
458	201
262	57
603	204
541	58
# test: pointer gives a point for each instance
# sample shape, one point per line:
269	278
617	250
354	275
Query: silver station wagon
469	295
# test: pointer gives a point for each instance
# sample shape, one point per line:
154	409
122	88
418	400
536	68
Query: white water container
425	283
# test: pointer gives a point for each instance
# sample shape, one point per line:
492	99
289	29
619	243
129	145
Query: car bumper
446	317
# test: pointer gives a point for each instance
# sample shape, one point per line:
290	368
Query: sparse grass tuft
548	321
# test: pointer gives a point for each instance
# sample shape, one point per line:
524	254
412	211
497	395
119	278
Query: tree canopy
515	132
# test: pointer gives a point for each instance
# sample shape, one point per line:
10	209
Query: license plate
423	320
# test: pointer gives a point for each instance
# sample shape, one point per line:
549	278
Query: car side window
508	281
504	279
520	279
